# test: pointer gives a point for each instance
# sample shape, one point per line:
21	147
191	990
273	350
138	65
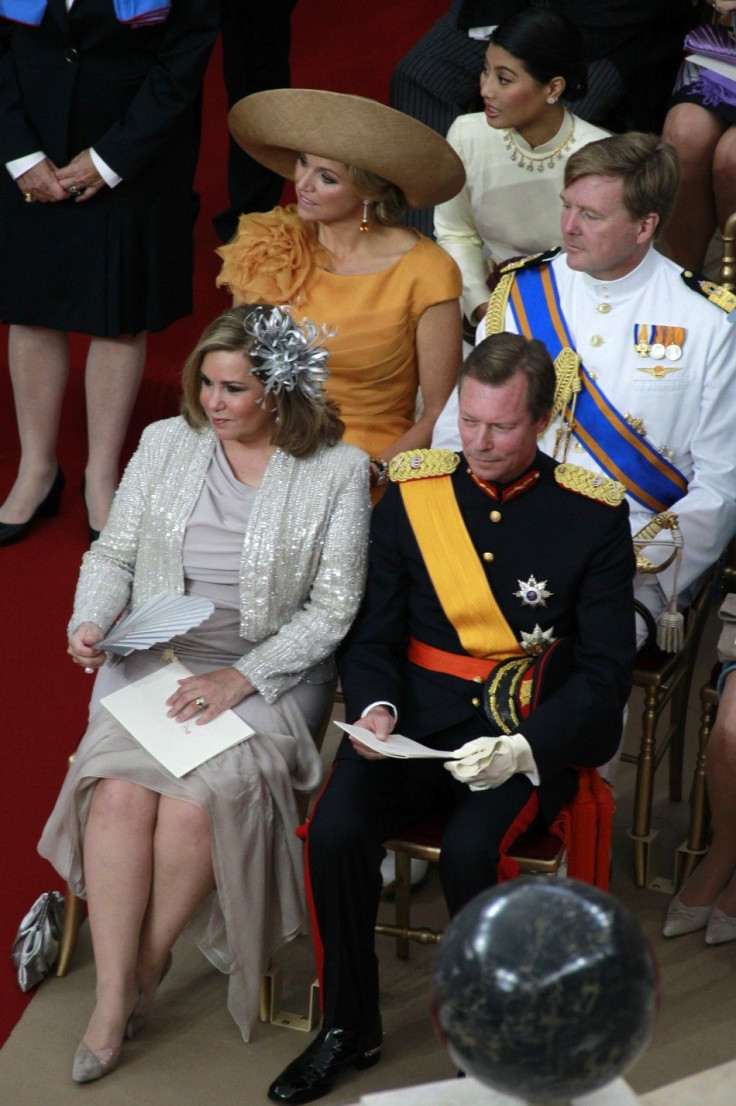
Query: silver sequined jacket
302	570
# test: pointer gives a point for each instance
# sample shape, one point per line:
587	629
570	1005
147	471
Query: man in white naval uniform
658	352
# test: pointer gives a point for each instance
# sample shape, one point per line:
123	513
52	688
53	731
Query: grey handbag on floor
36	943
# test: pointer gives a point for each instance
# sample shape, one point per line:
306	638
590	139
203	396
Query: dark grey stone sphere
544	988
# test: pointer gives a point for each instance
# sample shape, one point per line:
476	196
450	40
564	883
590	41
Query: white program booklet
395	745
179	746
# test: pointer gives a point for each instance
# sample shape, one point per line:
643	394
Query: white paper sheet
179	746
396	745
723	68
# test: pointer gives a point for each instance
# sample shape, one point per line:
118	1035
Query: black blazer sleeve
172	85
17	135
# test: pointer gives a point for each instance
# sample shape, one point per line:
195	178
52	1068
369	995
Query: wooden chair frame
667	684
407	850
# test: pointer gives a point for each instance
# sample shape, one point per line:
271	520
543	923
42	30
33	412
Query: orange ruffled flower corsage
272	258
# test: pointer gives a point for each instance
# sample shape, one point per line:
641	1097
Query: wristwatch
382	471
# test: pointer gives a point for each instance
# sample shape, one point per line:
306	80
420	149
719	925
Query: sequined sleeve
321	621
139	551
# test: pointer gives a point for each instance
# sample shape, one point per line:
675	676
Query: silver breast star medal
531	593
538	640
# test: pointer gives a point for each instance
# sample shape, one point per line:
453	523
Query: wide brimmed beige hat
276	125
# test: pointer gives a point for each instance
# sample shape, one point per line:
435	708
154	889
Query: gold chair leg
695	846
72	922
402	902
644	788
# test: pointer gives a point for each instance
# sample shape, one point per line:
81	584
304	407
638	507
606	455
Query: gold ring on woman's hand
201	702
29	197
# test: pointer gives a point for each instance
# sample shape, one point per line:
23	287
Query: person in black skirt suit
99	132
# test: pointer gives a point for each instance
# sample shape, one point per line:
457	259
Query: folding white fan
158	619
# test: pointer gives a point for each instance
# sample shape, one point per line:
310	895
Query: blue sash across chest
621	452
138	13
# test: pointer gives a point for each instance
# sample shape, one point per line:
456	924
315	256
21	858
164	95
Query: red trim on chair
302	833
508	868
585	826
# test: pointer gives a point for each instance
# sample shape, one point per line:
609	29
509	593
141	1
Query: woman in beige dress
250	500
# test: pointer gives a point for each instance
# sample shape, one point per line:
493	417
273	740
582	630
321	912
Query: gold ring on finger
200	702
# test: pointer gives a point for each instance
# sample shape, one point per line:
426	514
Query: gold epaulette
495	320
415	464
714	293
530	262
591	484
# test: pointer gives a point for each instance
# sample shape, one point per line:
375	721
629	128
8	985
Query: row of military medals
661	343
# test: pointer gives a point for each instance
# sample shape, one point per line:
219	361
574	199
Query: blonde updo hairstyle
301	424
388	199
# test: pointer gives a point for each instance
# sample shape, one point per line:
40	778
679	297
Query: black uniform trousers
363	804
256	40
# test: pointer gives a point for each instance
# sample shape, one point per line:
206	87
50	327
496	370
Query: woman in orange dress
388	295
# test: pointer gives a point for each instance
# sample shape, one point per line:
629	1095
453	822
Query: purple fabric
713	41
715	89
138	13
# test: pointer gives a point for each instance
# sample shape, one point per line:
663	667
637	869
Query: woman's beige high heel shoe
91	1064
685	919
721	928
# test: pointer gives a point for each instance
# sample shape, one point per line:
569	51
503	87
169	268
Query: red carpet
345	47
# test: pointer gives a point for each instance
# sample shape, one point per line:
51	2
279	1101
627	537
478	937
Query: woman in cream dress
514	151
250	500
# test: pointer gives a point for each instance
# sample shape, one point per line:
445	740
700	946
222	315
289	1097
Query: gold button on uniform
488	557
495	516
475	702
596	340
477	679
604	308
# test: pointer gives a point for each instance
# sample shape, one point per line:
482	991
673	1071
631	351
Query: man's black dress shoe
312	1074
15	531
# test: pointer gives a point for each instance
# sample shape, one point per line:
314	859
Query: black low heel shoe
93	534
15	531
312	1074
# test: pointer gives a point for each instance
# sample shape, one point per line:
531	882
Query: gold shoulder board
590	484
530	262
415	464
715	293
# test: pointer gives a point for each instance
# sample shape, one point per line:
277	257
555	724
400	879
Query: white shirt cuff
526	764
21	165
381	703
481	33
109	175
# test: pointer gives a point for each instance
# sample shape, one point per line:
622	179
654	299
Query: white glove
490	761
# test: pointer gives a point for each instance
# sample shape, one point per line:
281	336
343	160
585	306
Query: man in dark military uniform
477	562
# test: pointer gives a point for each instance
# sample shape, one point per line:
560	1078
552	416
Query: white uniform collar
632	284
